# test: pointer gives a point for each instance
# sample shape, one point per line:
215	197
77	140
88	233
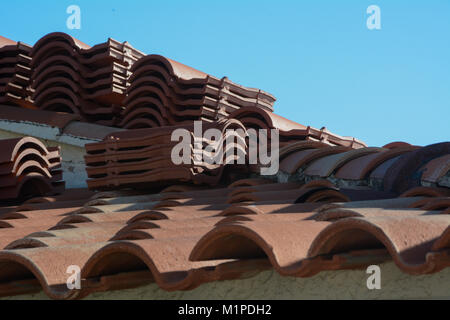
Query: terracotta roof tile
285	244
426	192
298	159
6	42
361	167
269	208
401	176
409	239
392	203
443	242
437	204
397	144
380	171
325	166
436	168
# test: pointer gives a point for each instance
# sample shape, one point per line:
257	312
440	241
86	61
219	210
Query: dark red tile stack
28	168
290	131
142	157
116	85
165	92
70	76
15	73
435	169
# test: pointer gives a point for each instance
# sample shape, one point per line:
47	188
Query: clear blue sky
317	57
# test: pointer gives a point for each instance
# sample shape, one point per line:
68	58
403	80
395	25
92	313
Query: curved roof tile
325	166
402	174
285	244
361	167
301	158
436	168
409	239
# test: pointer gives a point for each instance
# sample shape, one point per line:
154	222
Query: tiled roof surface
184	236
333	204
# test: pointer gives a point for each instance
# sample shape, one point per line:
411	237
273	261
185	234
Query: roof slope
184	236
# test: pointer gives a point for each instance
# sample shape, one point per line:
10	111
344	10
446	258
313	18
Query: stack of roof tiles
166	92
143	157
70	76
290	131
116	85
28	168
15	73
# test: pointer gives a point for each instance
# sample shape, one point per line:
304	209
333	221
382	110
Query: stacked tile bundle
263	124
165	92
70	76
290	131
28	168
116	85
15	73
146	157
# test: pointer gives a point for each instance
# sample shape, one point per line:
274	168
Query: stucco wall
345	284
72	155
